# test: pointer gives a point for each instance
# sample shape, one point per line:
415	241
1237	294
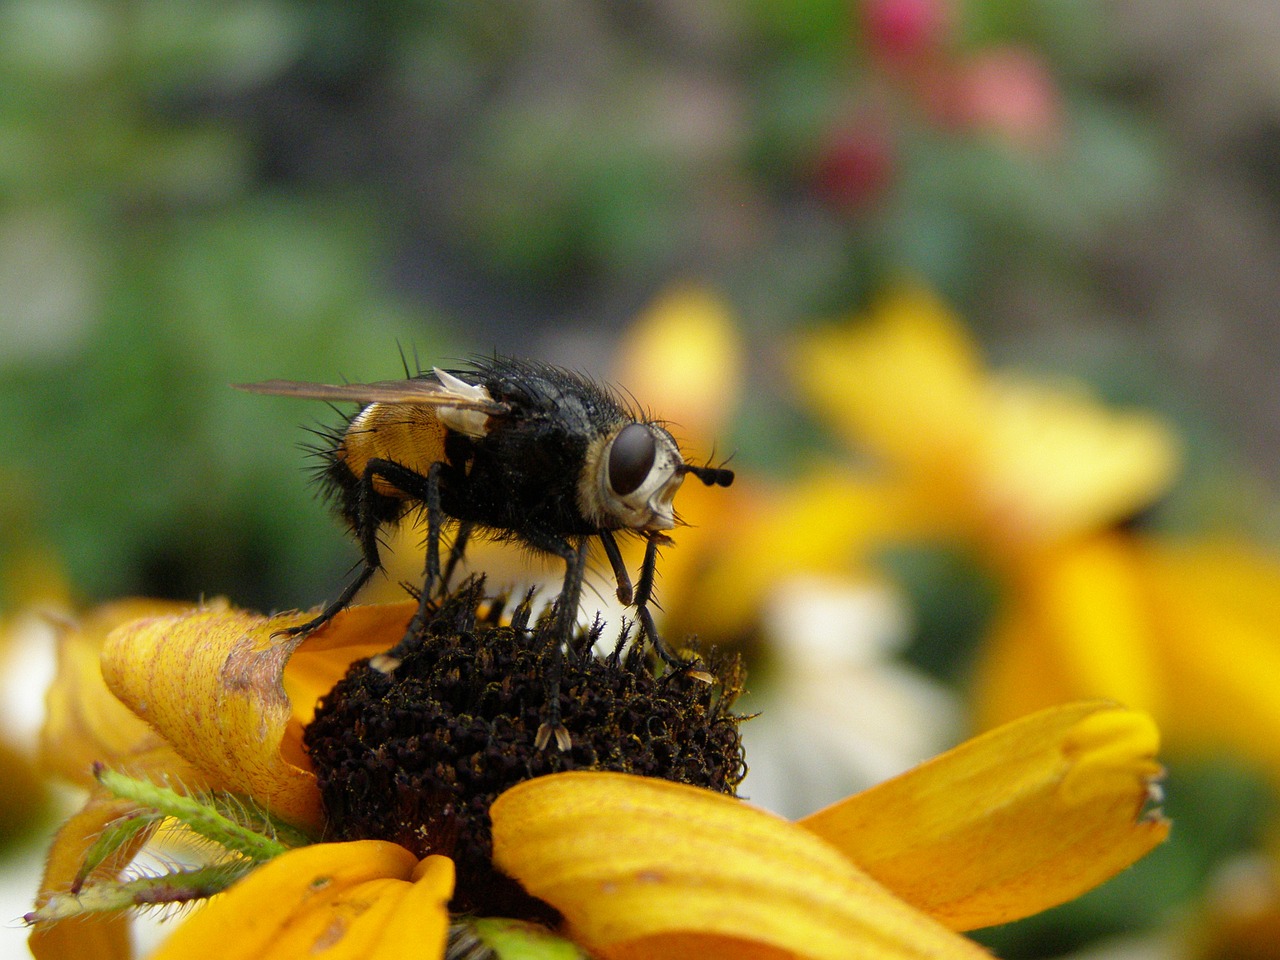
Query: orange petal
648	868
339	900
210	683
323	658
1012	822
84	721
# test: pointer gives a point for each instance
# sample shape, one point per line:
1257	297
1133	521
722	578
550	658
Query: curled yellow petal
641	867
420	926
330	899
209	682
1012	822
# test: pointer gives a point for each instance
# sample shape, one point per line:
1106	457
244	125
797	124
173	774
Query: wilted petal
210	683
648	868
365	899
1012	822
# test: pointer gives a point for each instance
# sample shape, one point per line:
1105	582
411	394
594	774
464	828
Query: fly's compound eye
631	457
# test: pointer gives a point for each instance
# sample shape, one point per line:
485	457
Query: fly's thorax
630	477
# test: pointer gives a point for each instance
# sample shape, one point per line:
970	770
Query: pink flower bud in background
903	32
1005	91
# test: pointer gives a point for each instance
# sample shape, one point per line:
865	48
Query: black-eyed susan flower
620	864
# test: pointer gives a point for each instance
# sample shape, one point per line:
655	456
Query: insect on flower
512	449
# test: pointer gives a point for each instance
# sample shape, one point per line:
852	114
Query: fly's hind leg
366	527
456	553
429	493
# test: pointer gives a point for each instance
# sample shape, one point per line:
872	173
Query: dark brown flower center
414	745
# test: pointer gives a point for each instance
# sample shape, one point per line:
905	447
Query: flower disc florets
414	745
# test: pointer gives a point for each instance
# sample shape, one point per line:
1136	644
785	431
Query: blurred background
980	296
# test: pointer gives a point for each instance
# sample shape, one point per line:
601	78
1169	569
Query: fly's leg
366	527
644	593
625	593
575	559
430	495
456	553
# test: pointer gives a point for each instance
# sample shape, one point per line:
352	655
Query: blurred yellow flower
1013	464
1006	825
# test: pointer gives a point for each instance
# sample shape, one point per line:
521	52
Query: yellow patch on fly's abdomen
410	435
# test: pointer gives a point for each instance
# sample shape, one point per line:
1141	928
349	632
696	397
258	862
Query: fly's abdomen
405	434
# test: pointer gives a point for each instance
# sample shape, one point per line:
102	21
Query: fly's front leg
644	593
620	575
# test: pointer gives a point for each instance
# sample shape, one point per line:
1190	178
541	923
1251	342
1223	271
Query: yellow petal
329	900
824	523
906	382
642	867
210	683
1214	607
1055	462
1012	822
84	720
1003	459
684	358
1077	626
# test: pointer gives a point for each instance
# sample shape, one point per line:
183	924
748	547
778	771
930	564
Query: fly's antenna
711	476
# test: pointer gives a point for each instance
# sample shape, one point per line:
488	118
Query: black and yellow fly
511	449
